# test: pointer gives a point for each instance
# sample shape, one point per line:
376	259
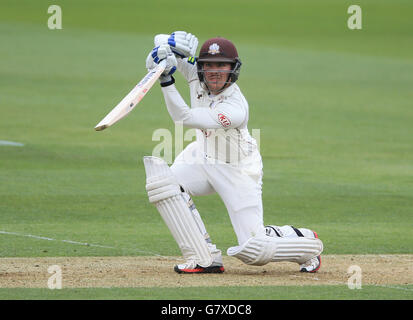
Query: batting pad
164	192
260	250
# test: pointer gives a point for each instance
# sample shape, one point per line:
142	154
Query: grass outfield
228	293
334	109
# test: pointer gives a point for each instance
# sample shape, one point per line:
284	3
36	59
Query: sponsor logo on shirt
224	120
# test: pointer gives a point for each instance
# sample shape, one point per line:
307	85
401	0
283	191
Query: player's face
216	75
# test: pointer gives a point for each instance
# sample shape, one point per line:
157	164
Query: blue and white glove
183	44
158	54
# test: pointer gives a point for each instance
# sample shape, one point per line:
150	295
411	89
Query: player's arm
224	116
187	67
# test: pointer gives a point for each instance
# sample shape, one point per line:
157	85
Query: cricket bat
132	99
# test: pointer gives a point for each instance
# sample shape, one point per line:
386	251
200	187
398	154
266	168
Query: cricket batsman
224	159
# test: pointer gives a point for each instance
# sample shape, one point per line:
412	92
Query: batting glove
183	44
158	54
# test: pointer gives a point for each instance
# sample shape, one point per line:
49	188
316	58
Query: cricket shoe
192	267
312	265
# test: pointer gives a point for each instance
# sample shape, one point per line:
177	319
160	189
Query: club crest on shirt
224	120
213	49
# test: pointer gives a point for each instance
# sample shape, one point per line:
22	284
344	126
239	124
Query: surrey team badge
213	48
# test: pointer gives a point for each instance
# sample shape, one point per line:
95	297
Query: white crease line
75	242
11	143
393	287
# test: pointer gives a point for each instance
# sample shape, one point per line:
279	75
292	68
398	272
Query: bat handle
162	64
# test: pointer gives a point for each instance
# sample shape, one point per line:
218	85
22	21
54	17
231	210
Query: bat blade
132	99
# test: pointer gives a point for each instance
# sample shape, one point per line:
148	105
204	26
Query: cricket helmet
219	50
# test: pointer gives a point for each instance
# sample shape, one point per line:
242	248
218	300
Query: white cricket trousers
239	186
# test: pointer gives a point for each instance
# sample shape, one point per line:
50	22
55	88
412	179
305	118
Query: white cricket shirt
221	119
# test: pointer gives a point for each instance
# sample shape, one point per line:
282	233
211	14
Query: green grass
333	107
208	293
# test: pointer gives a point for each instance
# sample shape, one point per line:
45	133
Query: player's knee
160	181
262	249
258	251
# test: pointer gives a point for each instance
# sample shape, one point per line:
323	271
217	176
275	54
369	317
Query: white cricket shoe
192	267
